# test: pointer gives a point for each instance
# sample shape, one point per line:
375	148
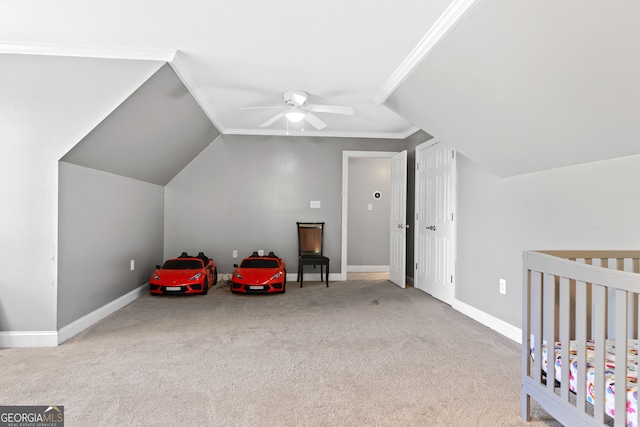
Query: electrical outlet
314	204
260	252
503	286
133	264
370	207
235	253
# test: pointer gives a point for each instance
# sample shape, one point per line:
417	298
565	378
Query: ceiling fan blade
335	109
272	120
315	121
259	108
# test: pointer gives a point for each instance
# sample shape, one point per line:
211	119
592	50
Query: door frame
346	155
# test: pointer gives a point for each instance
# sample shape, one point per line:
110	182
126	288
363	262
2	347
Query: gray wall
368	230
48	104
105	221
590	206
247	192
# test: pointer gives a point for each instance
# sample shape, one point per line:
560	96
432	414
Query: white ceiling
516	86
525	86
234	54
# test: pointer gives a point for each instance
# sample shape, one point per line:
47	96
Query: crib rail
578	295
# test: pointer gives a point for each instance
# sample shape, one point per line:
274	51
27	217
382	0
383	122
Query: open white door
398	224
435	234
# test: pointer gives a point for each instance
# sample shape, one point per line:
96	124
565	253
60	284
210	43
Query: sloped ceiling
237	54
151	136
522	86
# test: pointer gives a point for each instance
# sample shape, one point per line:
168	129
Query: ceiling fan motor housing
294	98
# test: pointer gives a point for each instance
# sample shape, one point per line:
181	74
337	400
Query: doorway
369	202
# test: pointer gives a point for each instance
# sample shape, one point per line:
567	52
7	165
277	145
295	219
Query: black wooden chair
310	246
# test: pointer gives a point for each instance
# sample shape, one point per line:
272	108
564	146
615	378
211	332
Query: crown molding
180	68
443	26
165	55
323	134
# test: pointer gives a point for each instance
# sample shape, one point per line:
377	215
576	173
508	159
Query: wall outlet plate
503	286
314	204
235	253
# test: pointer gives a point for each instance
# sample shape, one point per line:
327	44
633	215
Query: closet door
435	201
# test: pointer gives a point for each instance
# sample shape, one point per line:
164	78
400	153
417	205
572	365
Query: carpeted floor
359	353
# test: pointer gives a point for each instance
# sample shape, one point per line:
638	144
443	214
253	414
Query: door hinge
453	154
416	215
451	216
416	265
452	278
417	166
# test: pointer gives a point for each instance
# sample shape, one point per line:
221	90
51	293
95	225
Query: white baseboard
29	339
84	322
53	338
367	268
500	326
313	277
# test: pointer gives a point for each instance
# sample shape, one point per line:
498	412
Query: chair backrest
310	238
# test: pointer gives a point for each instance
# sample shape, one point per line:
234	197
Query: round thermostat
377	195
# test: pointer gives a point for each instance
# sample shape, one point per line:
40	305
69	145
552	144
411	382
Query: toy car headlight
156	277
238	275
275	276
196	276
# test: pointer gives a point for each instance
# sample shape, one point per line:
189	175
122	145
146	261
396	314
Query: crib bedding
632	374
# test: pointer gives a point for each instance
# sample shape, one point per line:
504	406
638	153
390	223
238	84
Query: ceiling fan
297	109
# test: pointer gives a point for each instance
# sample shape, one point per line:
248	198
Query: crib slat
565	325
600	309
636	335
621	359
582	304
536	325
525	408
549	323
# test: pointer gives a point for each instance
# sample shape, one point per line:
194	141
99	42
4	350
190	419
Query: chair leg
327	275
300	273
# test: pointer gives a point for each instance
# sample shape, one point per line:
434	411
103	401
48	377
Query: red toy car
260	274
184	275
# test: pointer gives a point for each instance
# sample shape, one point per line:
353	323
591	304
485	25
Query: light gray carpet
359	353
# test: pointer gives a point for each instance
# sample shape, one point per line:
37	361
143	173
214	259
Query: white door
435	202
398	224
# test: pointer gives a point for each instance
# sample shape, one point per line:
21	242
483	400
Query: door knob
432	228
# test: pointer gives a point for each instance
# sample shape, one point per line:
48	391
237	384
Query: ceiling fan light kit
299	110
294	116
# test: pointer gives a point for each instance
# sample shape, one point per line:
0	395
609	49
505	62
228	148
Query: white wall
590	206
48	104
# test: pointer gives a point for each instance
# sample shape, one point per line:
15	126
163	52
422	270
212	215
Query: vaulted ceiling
515	86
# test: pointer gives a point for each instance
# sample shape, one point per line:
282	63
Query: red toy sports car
184	275
259	274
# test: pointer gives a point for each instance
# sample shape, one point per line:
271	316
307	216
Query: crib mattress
632	374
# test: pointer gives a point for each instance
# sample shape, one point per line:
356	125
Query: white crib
584	306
